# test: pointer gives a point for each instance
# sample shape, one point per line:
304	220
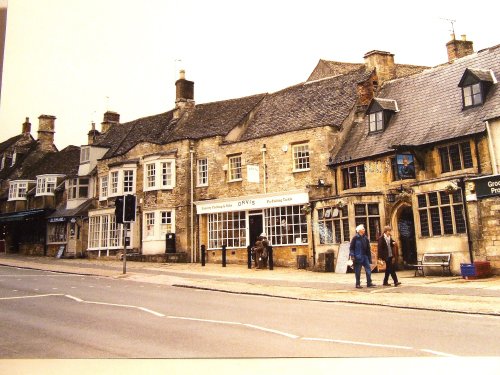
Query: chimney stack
110	118
383	63
92	134
46	132
459	48
27	126
184	94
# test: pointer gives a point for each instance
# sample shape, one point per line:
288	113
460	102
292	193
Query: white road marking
438	353
272	331
35	296
203	320
358	343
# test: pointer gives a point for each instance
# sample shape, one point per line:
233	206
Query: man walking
360	253
388	252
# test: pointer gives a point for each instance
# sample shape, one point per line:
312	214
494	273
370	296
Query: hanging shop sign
406	166
487	186
252	202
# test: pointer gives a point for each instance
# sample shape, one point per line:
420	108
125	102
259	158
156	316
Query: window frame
464	154
235	168
202	172
368	218
103	187
75	189
335	229
476	98
57	232
18	190
117	186
359	170
157	176
301	158
227	228
377	119
285	225
46	184
84	154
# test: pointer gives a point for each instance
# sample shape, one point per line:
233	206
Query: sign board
253	173
406	166
487	186
60	251
342	258
252	202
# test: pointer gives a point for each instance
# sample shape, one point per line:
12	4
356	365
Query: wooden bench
442	260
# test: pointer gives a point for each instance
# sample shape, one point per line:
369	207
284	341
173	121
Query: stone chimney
92	134
184	94
46	132
459	48
27	126
110	118
383	63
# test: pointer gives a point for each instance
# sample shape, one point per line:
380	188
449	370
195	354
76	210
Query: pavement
436	293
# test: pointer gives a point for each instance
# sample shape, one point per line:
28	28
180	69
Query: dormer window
85	154
379	113
475	86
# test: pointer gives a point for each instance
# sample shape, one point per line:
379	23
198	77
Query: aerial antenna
107	103
452	26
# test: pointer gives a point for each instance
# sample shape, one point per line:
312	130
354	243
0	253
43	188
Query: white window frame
14	157
71	185
301	157
103	187
105	234
202	172
376	121
235	168
158	223
159	174
18	190
46	184
117	182
84	154
227	228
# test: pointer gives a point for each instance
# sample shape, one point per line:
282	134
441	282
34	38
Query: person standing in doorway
388	252
360	253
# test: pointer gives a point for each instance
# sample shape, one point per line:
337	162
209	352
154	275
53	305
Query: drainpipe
313	205
191	154
467	226
263	150
492	149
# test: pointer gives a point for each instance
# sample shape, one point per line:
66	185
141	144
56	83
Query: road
53	315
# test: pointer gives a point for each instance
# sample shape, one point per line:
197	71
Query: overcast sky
75	59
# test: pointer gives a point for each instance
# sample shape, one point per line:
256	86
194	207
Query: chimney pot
27	126
459	48
464	37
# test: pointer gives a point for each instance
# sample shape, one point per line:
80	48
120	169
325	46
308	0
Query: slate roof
81	210
326	102
205	120
64	162
430	109
5	145
326	68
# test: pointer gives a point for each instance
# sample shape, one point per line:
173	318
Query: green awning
22	215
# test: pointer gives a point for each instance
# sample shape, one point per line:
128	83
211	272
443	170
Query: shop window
368	215
441	213
333	225
104	233
56	232
227	228
286	225
354	176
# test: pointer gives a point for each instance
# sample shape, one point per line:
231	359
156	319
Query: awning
63	213
23	215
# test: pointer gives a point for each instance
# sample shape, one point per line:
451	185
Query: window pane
353	177
361	175
459	218
424	223
359	209
445	164
373	209
422	201
433	199
345	178
445	197
435	222
455	157
301	157
457	196
466	154
374	228
447	221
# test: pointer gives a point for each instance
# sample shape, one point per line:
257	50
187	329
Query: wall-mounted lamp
391	197
263	149
321	182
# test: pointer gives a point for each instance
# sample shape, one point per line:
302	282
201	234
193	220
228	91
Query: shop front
237	222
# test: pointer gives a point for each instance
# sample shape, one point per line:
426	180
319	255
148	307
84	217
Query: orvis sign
251	202
487	186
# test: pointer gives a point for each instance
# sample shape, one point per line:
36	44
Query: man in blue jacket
360	253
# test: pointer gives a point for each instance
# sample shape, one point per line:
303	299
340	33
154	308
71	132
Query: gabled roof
65	162
476	75
326	102
326	68
430	109
383	104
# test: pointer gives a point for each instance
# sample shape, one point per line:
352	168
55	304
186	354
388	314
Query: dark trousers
365	262
390	270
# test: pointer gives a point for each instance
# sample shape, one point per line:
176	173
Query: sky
75	59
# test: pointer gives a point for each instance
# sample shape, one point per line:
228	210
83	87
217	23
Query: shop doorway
406	232
256	227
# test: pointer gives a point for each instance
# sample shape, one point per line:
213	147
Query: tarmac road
53	315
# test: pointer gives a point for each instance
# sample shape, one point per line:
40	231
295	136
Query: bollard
249	256
270	255
223	255
203	255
